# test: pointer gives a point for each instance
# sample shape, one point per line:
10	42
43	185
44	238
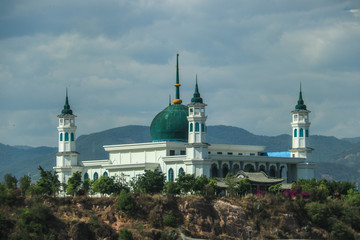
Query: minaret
300	129
197	145
177	85
67	157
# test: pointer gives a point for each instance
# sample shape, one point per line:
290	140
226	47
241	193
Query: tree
87	184
25	183
48	183
230	181
150	182
186	182
126	202
74	183
172	188
211	187
104	185
244	186
10	181
199	185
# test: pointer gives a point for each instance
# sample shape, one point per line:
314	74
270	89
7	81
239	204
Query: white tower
300	130
67	157
197	147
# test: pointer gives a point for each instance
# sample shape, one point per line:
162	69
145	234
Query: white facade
196	156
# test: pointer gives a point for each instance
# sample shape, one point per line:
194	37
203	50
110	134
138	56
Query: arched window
171	175
72	137
196	127
61	136
66	136
202	127
295	132
301	132
86	176
214	170
306	132
262	168
191	127
96	176
181	170
105	174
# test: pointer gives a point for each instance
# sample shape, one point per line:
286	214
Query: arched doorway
262	169
214	170
272	172
249	168
236	168
225	170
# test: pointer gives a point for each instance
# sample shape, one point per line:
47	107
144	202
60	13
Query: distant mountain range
337	159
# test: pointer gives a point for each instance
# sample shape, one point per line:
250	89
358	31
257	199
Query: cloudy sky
117	58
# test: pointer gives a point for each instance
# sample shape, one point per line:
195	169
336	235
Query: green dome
171	124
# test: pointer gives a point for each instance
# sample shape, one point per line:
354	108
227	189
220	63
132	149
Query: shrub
125	234
340	230
170	220
318	213
126	202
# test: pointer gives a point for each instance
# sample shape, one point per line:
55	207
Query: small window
61	137
230	153
202	127
96	176
307	133
196	127
301	132
209	152
219	153
86	176
295	132
191	110
181	170
105	174
171	175
252	154
182	152
66	136
172	152
240	154
72	137
191	127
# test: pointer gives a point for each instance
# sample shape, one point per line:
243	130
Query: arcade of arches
272	170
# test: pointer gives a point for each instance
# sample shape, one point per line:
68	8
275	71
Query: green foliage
6	225
275	189
33	223
341	231
353	197
230	181
87	185
10	181
170	220
8	196
125	234
186	182
199	185
104	185
126	202
150	182
48	183
25	183
172	188
211	187
244	186
318	213
74	183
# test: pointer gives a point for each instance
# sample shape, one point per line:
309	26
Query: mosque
179	145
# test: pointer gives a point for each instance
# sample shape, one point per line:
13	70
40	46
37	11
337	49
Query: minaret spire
66	109
196	96
300	105
177	85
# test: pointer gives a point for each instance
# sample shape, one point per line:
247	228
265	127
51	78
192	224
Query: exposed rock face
214	220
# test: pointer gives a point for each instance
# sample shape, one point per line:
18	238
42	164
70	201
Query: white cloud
118	58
